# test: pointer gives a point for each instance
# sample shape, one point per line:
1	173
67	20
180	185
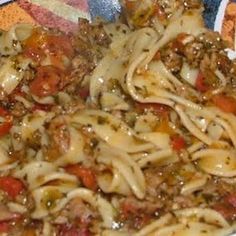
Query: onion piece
189	74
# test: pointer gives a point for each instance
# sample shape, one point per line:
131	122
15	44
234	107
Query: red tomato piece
86	175
227	211
4	227
231	199
60	43
48	81
34	53
6	125
227	208
33	46
178	143
131	212
83	93
178	44
3	112
201	85
225	103
12	186
41	44
129	209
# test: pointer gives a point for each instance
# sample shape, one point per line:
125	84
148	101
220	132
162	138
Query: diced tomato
225	103
35	54
128	208
86	175
178	44
60	43
42	44
12	186
231	199
201	84
83	93
4	227
177	142
48	81
35	44
228	207
3	112
227	211
132	213
6	125
158	109
181	37
157	56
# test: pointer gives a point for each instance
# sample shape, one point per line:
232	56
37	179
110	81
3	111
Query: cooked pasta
124	128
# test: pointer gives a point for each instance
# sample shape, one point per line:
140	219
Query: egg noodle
124	129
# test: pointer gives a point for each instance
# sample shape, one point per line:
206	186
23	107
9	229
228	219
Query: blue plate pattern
211	9
108	9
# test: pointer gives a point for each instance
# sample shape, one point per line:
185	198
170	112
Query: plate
20	11
63	14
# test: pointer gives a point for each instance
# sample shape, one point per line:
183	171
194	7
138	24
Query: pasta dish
121	129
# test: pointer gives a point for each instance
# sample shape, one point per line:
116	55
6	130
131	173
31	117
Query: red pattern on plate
49	19
80	4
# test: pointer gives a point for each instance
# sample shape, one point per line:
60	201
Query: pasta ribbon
112	130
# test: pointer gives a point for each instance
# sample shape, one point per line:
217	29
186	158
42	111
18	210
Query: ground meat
94	32
169	5
59	139
77	209
18	109
135	213
232	79
100	36
154	181
224	63
194	52
81	67
208	65
88	44
181	202
212	41
146	206
172	60
209	62
34	141
85	48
